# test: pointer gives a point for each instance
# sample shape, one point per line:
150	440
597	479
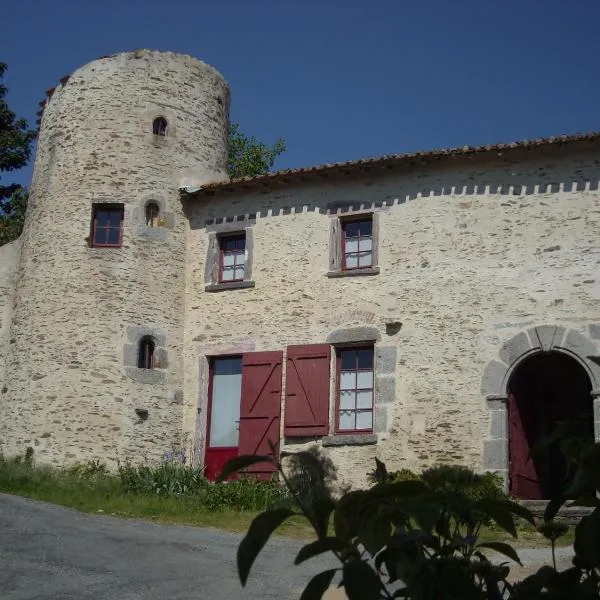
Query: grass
147	493
104	493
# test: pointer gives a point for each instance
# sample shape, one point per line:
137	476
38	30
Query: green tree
248	157
15	150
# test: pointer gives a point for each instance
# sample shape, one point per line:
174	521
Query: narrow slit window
233	259
159	126
146	354
152	214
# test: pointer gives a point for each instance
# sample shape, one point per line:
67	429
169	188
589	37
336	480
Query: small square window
357	244
353	245
107	225
355	389
233	258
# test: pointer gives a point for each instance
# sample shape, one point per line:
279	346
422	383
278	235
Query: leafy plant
396	539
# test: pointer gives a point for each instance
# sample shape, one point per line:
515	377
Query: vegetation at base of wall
160	493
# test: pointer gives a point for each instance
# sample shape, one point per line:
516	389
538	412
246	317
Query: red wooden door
307	391
524	479
222	428
260	408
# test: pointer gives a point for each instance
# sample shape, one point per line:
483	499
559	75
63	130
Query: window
152	212
233	258
357	244
146	353
107	225
226	389
354	406
159	126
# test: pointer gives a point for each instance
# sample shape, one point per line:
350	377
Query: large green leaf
258	534
497	511
326	544
587	540
503	548
318	585
321	509
360	581
553	507
519	510
241	462
456	584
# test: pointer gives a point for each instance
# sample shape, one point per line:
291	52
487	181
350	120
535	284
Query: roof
388	161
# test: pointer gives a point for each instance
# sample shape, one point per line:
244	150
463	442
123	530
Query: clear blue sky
341	79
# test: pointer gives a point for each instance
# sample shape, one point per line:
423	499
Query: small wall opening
152	214
146	353
159	126
545	389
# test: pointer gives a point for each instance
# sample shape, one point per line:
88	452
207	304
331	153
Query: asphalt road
47	551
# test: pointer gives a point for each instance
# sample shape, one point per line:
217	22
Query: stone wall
9	259
469	254
73	388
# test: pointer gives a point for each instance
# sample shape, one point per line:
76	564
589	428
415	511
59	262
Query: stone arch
497	373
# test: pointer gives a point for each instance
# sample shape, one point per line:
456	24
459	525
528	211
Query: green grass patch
167	493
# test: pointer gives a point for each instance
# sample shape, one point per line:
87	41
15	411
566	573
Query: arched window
152	212
159	126
146	353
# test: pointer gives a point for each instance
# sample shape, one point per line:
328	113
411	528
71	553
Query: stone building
437	307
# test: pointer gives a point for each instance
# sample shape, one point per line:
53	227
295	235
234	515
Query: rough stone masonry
481	257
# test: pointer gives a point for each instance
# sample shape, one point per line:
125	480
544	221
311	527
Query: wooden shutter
260	408
307	390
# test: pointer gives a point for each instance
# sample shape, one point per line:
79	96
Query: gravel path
51	552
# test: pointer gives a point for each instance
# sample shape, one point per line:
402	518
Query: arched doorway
545	388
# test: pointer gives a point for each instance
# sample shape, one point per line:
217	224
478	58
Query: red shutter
260	407
307	390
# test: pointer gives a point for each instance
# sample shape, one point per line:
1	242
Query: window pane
115	218
240	258
346	420
366	244
240	243
365	259
348	359
227	366
239	273
100	235
102	217
364	399
365	358
351	229
351	261
347	399
228	259
364	420
351	244
113	236
366	227
347	380
225	410
227	274
364	380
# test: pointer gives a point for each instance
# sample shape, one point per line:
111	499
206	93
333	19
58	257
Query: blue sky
341	79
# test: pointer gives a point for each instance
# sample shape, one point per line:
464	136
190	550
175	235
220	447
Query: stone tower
119	137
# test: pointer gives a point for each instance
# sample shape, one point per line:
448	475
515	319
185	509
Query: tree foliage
419	539
249	157
15	150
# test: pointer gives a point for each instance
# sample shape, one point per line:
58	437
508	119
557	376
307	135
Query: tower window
233	258
159	126
146	353
152	212
107	225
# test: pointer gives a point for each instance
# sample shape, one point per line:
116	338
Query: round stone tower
94	366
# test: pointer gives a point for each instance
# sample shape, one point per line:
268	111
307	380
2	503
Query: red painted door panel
214	460
307	390
260	408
